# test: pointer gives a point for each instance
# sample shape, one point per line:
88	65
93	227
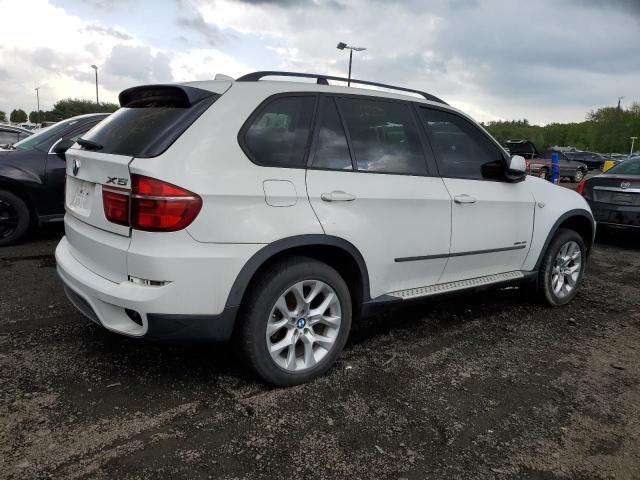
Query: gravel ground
488	385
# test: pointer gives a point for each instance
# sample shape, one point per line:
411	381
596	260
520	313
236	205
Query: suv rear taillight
580	188
152	205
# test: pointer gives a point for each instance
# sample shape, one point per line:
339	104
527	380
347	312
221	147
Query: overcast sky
545	60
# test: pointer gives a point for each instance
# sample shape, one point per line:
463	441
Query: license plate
82	197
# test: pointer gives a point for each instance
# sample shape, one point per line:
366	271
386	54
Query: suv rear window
150	120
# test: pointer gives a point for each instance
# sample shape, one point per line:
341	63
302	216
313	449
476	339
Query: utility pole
38	100
633	140
96	69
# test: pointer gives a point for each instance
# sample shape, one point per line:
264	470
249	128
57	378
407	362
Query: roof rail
323	80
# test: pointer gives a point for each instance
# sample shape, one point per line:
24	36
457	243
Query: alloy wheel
303	325
566	269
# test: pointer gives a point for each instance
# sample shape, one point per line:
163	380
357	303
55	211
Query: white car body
410	236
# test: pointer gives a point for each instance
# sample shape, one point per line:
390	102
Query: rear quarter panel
207	159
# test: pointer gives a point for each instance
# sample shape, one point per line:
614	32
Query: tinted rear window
147	125
384	136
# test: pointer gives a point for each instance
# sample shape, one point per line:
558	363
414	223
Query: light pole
633	140
96	69
342	46
38	100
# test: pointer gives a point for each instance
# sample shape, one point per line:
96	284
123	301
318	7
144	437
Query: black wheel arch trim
577	212
270	250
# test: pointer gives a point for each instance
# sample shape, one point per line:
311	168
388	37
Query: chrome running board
410	293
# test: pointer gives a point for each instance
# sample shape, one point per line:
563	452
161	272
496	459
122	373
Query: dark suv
592	160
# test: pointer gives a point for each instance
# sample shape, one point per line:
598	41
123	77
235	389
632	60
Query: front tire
562	268
14	218
579	175
295	321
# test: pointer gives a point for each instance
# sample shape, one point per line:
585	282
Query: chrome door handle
464	198
338	196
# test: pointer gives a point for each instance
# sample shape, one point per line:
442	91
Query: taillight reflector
152	205
116	205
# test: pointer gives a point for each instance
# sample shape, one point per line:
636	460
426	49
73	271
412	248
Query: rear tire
295	321
562	268
14	218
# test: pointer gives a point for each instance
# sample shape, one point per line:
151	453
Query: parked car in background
592	160
540	164
32	173
10	134
276	211
614	196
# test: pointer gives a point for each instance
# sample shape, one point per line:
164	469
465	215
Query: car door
370	184
491	218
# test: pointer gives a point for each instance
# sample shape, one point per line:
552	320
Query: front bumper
615	215
111	304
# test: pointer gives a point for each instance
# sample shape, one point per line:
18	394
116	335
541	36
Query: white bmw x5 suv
276	212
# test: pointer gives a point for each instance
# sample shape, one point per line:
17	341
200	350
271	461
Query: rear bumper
110	304
615	215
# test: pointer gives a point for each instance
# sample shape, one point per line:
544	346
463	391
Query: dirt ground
484	386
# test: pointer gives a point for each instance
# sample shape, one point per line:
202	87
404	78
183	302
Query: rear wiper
88	144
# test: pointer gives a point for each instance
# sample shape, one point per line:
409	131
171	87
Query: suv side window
464	151
384	137
332	150
279	133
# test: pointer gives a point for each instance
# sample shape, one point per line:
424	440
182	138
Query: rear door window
332	150
151	119
384	136
278	134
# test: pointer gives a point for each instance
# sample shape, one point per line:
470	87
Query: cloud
548	60
108	31
211	33
136	64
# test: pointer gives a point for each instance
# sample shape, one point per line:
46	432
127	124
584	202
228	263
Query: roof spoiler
175	95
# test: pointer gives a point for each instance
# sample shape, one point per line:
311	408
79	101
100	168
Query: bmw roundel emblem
76	167
625	185
301	323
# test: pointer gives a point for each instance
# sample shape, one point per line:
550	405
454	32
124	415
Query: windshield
44	135
628	167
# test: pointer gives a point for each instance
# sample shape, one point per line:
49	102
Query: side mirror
62	146
517	169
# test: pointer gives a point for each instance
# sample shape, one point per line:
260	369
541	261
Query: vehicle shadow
628	239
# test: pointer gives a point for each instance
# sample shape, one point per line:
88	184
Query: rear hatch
98	177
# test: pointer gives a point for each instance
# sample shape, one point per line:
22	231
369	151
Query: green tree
3	116
70	107
604	130
35	117
18	116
